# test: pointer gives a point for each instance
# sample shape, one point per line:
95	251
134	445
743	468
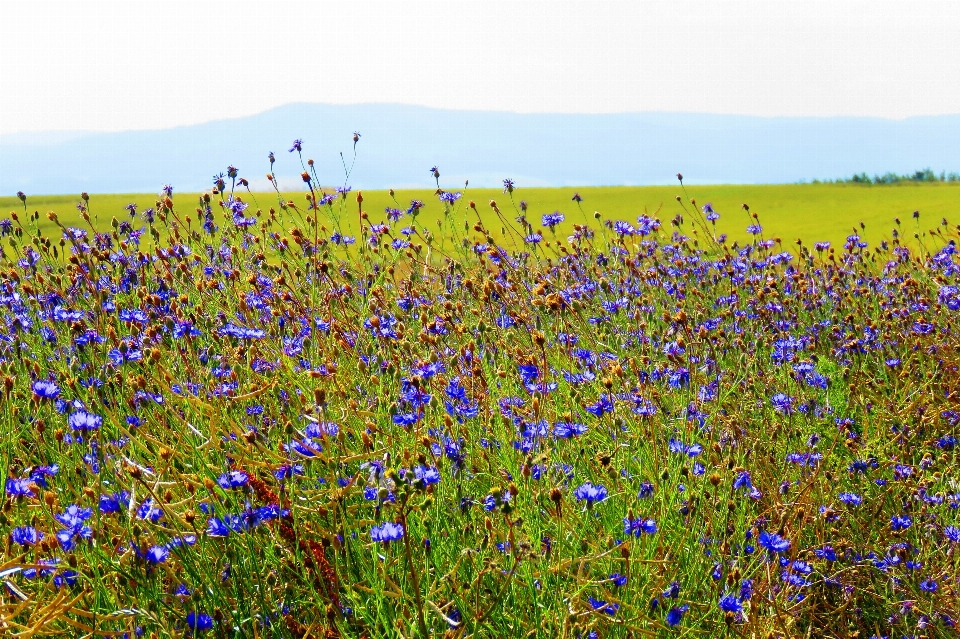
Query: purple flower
297	146
82	421
233	479
550	220
45	389
450	198
782	404
602	606
19	487
623	228
590	493
73	519
827	552
157	554
773	542
133	315
618	579
386	532
851	499
114	503
636	527
729	603
675	616
200	621
25	535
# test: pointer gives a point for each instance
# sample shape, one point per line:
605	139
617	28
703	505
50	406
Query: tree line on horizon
922	175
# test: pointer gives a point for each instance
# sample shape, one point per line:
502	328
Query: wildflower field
237	414
814	212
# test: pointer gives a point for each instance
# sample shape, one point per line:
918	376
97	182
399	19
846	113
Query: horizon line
490	111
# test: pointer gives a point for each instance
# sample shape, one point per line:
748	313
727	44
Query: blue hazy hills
400	143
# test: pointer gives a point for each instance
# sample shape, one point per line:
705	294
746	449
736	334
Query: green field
813	212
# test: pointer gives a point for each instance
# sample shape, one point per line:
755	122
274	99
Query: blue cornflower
730	603
19	487
900	522
200	621
754	229
45	389
73	519
675	615
297	146
148	511
603	405
672	591
618	579
742	481
636	527
773	542
233	479
602	606
427	474
827	552
590	493
26	535
114	503
550	220
450	197
242	332
851	499
782	404
217	527
157	554
565	430
386	532
952	533
83	421
711	215
928	585
41	473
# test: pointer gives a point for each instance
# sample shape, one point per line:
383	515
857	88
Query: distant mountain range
400	143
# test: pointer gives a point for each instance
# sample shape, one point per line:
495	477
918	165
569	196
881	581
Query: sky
139	64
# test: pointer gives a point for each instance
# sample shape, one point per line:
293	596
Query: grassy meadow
621	426
813	212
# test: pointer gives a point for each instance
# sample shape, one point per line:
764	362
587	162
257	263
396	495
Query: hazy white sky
138	64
